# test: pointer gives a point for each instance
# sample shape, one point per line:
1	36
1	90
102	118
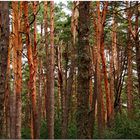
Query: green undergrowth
123	128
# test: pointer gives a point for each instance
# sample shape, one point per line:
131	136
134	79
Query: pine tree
83	78
4	44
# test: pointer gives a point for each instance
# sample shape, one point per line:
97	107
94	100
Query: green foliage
124	128
25	133
72	131
43	130
57	129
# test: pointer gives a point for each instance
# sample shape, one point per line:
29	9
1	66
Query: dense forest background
69	69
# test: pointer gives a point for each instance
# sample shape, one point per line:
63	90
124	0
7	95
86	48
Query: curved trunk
100	104
32	73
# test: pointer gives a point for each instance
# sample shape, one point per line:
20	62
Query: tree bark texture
32	73
51	77
4	44
129	71
83	78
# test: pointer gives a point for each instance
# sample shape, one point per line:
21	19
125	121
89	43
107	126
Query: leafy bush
124	128
72	131
57	129
25	133
43	130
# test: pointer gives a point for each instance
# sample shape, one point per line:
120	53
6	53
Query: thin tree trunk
90	93
68	87
91	80
64	96
40	85
40	93
51	77
35	61
129	71
47	57
7	95
47	104
137	44
60	78
135	34
69	94
12	97
94	94
113	64
13	94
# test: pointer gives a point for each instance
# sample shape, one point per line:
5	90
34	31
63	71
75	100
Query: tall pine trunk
7	95
83	78
137	44
102	48
4	44
129	72
50	90
60	78
17	13
100	110
32	73
113	63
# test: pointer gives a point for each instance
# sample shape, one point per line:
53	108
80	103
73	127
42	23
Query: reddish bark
129	72
32	68
100	110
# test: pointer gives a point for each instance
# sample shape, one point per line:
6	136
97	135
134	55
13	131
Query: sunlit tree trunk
32	72
106	84
98	73
17	13
35	61
83	71
4	44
